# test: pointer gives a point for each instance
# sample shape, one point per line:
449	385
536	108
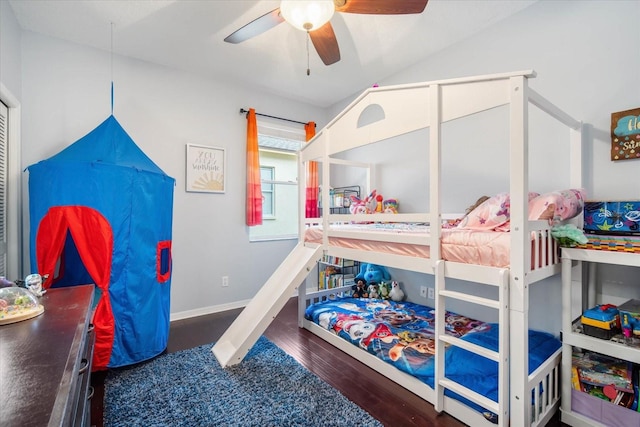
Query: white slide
243	333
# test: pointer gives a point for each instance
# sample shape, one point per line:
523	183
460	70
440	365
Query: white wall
10	50
587	57
66	93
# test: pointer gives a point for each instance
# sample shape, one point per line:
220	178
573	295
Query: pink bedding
490	248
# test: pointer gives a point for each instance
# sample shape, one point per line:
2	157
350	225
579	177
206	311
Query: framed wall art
625	135
205	169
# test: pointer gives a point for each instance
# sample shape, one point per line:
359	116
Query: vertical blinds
3	187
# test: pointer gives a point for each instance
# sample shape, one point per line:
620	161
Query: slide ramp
243	333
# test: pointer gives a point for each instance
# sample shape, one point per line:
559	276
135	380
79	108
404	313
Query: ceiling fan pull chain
308	69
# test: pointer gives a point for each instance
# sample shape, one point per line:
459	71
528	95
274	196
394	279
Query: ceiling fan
313	17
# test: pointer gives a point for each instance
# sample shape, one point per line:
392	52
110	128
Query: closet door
4	138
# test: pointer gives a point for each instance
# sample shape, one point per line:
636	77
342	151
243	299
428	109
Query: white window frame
15	250
273	183
267	127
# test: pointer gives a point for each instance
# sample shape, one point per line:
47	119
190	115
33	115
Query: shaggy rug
189	388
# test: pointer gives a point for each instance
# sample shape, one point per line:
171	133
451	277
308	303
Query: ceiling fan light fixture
307	15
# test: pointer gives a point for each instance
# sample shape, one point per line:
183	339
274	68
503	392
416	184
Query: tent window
163	267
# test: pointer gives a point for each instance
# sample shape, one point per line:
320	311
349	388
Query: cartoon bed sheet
402	334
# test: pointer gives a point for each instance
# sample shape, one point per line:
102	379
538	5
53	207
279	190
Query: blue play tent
101	212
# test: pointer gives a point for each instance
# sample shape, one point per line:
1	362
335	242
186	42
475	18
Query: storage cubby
578	408
334	272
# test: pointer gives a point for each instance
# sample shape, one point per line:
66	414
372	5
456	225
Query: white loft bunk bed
408	108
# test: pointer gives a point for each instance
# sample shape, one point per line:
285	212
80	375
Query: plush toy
360	289
390	206
373	203
366	206
373	291
379	203
373	273
383	290
396	293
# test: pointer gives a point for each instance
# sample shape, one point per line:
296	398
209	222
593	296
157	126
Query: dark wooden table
40	360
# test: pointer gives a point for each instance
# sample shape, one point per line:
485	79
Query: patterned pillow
493	213
562	205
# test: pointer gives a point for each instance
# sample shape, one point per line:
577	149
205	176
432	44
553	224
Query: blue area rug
189	388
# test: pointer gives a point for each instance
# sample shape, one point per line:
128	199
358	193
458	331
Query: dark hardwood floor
383	399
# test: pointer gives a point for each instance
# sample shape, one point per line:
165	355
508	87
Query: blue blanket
402	334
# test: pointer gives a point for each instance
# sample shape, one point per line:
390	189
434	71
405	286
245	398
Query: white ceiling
188	35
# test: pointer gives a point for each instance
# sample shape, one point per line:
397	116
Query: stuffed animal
373	273
396	293
366	206
383	290
373	291
379	199
390	206
360	290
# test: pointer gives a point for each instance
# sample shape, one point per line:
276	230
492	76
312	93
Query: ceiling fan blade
256	27
326	44
381	7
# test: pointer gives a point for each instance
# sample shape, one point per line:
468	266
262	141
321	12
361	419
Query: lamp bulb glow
307	15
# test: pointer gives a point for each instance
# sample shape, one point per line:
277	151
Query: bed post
520	253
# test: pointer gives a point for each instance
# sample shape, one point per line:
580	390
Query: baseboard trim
181	315
207	310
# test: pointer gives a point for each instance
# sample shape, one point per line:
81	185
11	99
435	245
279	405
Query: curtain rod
242	110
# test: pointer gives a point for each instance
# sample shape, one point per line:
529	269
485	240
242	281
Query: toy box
612	217
630	317
601	321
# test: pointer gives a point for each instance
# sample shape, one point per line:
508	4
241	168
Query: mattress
489	248
402	334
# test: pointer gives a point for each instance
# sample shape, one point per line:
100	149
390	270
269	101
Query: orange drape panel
254	186
312	178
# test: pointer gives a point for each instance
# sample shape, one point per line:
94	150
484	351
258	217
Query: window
279	173
267	176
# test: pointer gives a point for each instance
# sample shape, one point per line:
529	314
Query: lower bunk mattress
402	334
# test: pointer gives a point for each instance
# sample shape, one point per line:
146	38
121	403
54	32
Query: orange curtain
312	178
254	186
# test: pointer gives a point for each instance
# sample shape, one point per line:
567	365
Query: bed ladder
243	333
501	357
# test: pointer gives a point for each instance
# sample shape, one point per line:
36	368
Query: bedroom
578	70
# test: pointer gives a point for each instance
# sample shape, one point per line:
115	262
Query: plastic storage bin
601	321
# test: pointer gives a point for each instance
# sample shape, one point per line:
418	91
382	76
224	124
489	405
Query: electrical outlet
423	291
432	293
225	281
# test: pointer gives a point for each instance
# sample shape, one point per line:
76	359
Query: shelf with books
334	272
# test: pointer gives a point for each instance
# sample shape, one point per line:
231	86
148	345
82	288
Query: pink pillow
563	205
493	213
